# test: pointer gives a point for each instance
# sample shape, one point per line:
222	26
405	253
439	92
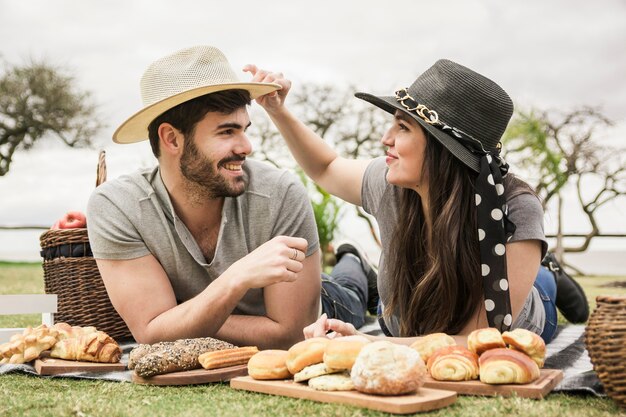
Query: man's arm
143	296
289	307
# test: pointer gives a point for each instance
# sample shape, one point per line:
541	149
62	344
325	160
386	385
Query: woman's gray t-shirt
382	200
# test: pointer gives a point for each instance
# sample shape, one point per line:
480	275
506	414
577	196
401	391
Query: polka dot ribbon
494	227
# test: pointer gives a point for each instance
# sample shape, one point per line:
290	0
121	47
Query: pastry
313	371
341	353
269	364
386	368
305	353
332	382
481	340
453	363
427	345
528	342
28	345
228	357
507	366
94	346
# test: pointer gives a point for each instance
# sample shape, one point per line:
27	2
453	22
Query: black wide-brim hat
461	99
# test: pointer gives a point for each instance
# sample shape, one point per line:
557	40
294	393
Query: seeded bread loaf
166	357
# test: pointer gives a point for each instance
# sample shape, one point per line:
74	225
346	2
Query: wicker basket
70	272
605	338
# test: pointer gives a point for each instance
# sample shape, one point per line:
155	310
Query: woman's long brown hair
434	271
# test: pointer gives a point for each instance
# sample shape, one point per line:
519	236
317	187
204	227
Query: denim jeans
546	285
344	292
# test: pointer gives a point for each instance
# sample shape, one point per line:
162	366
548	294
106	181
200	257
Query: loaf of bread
227	357
341	353
453	363
427	345
269	364
481	340
181	355
28	345
305	353
528	342
507	366
386	368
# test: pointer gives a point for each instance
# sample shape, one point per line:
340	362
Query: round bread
305	353
269	364
342	352
386	368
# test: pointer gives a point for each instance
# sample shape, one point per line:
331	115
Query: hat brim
135	128
390	105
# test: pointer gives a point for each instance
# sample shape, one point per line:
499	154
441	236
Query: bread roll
305	353
341	353
507	366
481	340
269	364
453	363
528	342
427	345
386	368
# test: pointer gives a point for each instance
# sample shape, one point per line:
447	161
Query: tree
38	101
563	150
351	127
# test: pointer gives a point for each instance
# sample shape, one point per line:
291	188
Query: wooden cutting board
538	389
195	376
52	366
424	400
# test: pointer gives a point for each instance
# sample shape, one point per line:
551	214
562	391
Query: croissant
507	366
25	347
85	344
453	363
481	340
528	342
429	344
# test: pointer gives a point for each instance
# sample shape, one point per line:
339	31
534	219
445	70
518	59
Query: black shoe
570	297
370	273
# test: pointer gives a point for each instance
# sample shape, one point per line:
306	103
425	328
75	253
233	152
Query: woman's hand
274	101
323	325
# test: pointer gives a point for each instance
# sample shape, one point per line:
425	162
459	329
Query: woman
462	240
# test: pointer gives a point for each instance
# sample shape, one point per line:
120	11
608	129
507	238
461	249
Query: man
210	243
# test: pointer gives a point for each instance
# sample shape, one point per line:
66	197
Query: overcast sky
546	54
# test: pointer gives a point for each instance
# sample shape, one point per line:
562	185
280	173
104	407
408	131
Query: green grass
23	395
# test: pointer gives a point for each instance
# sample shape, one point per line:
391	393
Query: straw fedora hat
180	77
449	95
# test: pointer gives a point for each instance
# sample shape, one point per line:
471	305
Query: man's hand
278	260
274	101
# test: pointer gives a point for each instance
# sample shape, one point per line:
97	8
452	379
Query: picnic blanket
566	352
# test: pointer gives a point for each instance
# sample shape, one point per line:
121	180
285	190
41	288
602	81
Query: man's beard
204	180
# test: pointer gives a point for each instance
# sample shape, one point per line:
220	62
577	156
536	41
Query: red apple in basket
72	220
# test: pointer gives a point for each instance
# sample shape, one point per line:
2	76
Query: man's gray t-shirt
132	216
382	200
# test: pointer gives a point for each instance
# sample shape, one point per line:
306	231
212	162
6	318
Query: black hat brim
390	105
